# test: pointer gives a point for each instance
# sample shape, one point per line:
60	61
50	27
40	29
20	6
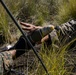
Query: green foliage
67	11
6	25
37	12
56	59
4	28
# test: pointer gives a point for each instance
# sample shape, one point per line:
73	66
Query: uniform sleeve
69	27
67	32
6	62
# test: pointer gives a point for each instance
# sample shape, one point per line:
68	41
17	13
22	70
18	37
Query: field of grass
40	12
57	60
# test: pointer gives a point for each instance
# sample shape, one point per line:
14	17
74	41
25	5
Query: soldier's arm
67	32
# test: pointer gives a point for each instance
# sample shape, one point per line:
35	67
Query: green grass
66	11
56	60
6	24
4	28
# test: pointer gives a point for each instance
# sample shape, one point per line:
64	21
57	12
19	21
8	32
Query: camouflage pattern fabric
6	62
67	31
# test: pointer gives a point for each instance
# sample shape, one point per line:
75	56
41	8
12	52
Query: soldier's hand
45	38
29	27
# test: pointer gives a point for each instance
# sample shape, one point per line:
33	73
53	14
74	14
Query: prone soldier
65	30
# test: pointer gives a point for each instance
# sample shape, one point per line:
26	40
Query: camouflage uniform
67	30
5	62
